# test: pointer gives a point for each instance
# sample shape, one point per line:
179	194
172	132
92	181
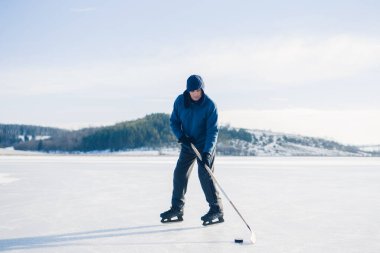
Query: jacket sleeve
212	130
175	122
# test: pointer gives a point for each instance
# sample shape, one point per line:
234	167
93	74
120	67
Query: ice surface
112	204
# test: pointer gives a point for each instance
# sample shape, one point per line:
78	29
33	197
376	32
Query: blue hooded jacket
198	120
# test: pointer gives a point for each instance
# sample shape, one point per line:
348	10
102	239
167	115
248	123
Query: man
194	120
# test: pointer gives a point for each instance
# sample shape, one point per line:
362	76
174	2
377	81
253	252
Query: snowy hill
267	143
370	148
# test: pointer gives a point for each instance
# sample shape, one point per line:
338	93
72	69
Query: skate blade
212	222
170	220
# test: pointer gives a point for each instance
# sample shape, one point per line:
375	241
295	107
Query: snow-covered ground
11	151
112	204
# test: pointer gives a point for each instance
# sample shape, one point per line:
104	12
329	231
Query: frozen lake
112	204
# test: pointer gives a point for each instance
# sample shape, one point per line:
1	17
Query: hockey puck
238	240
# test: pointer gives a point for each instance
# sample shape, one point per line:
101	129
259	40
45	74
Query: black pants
182	173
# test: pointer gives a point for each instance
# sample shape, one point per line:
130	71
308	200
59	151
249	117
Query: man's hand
206	159
185	140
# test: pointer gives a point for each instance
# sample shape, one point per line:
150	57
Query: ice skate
214	216
173	212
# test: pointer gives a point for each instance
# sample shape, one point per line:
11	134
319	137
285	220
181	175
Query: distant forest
152	131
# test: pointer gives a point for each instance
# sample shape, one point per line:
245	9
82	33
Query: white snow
37	137
370	148
42	137
112	204
6	178
11	151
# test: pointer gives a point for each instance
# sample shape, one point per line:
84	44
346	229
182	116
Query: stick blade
253	238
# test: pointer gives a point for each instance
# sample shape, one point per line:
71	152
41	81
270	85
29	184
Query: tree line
152	131
12	134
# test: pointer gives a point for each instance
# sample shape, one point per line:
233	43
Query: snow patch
31	137
6	179
11	151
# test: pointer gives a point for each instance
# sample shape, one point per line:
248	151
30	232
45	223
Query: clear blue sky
307	67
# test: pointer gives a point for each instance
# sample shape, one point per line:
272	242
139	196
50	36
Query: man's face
196	94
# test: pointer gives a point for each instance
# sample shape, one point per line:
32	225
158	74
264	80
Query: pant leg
208	185
181	176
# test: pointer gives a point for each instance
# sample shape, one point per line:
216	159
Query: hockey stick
253	237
